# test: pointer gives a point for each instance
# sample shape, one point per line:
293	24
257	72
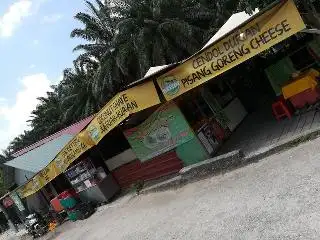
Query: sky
35	47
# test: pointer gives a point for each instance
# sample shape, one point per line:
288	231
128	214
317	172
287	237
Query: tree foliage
122	39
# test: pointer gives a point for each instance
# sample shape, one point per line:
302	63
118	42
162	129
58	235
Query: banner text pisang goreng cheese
268	29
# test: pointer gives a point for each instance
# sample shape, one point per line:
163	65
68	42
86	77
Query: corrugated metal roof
73	129
38	158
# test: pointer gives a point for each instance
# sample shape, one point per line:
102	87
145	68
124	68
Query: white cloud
32	66
14	15
14	116
51	18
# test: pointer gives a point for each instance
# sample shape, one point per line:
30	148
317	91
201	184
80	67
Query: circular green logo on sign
94	133
170	86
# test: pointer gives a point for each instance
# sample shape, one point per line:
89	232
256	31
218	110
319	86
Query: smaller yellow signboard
69	153
73	150
120	107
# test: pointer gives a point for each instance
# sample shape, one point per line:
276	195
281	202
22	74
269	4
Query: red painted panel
160	166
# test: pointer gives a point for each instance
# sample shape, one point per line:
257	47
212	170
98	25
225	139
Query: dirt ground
276	198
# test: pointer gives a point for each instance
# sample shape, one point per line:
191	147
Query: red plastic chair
280	109
56	205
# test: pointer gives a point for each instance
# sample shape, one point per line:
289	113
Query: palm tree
47	117
77	96
98	31
155	32
18	142
6	173
127	37
123	39
98	54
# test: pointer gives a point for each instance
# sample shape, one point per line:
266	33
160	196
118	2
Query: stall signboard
120	107
163	131
72	151
259	34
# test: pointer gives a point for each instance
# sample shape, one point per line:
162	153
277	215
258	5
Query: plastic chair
56	205
280	109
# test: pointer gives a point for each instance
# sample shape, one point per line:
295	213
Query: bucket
74	215
68	202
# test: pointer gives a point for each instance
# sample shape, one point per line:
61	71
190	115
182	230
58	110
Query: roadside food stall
88	175
67	169
252	37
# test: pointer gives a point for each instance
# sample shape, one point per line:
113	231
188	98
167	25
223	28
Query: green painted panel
192	152
163	131
279	73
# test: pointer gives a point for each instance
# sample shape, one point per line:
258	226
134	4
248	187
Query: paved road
277	198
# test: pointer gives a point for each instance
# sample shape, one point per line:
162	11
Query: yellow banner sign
73	150
120	107
266	30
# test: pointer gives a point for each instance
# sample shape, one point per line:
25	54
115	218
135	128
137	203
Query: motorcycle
36	225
